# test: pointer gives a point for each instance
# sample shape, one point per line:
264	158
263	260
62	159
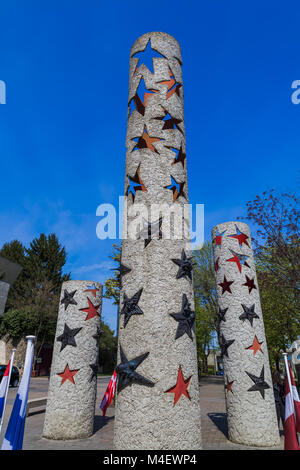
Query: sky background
62	131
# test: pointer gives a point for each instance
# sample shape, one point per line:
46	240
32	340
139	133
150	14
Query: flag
13	439
290	423
109	394
3	387
296	401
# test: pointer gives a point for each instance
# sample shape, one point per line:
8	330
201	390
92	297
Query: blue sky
62	131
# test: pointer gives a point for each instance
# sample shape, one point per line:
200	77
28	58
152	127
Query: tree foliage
112	284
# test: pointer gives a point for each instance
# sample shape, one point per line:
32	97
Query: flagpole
6	393
289	381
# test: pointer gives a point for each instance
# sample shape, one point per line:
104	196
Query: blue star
139	100
147	55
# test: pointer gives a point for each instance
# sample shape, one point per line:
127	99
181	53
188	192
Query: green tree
205	302
107	348
276	242
112	284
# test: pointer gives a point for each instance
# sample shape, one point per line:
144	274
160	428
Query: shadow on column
220	420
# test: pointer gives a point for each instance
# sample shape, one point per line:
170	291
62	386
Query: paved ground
213	419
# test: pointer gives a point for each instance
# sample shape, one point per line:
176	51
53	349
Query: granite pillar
248	385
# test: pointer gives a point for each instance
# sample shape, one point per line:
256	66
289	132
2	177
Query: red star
250	284
216	264
255	346
91	310
218	238
240	237
238	258
173	86
228	386
92	291
226	285
68	374
180	388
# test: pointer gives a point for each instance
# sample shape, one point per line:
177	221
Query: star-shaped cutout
250	284
146	57
98	334
172	85
68	298
248	314
126	371
185	266
91	310
185	318
130	306
122	271
169	121
218	238
180	155
259	383
255	346
226	285
221	313
94	368
224	345
240	237
145	141
92	289
139	101
239	259
180	388
135	184
176	188
151	230
68	337
216	264
228	385
68	374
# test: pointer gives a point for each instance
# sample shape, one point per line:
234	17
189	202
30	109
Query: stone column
4	288
157	405
248	385
73	380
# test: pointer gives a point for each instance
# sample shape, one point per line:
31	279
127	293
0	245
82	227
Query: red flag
290	423
109	394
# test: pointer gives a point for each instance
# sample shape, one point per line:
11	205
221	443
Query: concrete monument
73	381
248	385
157	403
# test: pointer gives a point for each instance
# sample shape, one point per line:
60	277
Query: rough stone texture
70	407
146	417
4	288
251	418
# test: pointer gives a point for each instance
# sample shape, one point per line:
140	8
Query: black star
150	230
224	345
221	313
122	271
94	368
185	266
67	338
259	382
130	306
126	371
68	298
185	318
248	314
97	335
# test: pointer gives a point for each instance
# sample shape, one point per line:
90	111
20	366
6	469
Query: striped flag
13	439
109	394
292	414
3	387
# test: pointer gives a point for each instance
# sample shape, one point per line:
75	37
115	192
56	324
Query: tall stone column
248	385
73	380
157	405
